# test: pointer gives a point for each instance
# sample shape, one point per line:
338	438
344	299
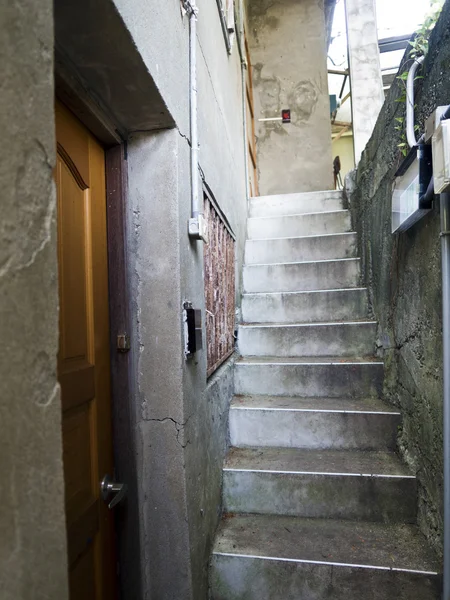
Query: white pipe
196	222
410	133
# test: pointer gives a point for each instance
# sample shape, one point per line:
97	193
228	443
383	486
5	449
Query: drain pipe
445	247
410	133
197	229
445	250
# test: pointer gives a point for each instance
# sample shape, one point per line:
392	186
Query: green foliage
419	47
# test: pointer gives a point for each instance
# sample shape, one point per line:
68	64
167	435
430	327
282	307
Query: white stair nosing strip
325	563
302	237
318	324
298	363
288	216
322	473
356	289
318	410
290	194
305	262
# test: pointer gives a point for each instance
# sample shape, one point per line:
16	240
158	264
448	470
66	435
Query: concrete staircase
317	503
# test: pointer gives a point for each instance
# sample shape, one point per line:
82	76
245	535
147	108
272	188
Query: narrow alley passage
317	503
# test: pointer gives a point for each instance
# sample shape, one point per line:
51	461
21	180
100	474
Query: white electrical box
409	188
441	157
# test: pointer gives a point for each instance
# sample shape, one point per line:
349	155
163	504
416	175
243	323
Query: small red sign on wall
286	115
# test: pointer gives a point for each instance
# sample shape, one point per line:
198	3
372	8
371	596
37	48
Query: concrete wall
403	273
366	83
32	521
181	419
288	47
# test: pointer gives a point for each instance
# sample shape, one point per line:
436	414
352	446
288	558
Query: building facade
95	110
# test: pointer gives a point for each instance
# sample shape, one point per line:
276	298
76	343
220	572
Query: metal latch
123	342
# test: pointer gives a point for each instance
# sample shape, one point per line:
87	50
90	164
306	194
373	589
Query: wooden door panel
73	203
77	462
83	362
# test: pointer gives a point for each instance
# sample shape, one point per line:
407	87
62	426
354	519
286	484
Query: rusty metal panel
219	280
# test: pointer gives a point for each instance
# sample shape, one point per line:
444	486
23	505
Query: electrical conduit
410	133
196	222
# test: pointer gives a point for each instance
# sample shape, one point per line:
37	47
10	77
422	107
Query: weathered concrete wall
402	272
32	521
207	445
288	47
365	71
181	419
161	35
154	249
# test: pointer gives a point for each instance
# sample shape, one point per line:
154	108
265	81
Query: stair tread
321	360
325	541
293	460
348	405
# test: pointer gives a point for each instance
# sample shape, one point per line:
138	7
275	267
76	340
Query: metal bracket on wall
123	343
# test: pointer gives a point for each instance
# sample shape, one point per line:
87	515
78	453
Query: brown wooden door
83	362
251	136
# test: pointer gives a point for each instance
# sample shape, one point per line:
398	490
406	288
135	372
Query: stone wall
403	274
32	521
288	48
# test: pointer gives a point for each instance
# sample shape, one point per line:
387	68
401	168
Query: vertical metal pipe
196	229
445	247
193	107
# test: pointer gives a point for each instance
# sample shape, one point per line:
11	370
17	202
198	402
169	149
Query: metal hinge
123	342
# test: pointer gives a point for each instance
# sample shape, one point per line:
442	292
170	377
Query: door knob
109	488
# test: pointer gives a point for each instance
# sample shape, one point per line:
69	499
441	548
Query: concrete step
308	377
332	484
306	307
295	204
300	249
297	225
302	276
313	423
257	557
309	339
